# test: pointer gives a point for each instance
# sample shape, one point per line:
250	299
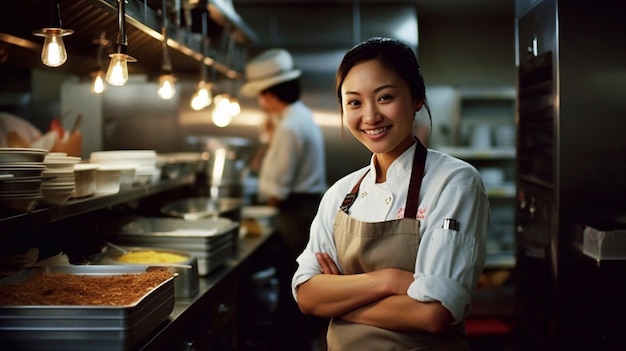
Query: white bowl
61	163
57	196
21	203
108	180
85	179
14	154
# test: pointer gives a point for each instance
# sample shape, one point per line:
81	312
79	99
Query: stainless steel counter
215	304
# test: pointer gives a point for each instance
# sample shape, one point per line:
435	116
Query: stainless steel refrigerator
571	172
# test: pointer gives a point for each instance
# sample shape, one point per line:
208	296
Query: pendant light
98	85
202	98
166	80
117	74
54	53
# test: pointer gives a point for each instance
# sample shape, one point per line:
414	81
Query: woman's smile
377	131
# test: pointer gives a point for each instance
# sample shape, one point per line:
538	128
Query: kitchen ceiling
430	7
90	18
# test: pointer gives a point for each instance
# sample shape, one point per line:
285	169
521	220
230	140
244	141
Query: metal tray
208	259
84	327
186	283
204	207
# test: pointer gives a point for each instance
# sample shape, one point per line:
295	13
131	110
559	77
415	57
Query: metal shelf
76	207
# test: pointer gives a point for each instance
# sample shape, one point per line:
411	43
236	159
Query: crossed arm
375	298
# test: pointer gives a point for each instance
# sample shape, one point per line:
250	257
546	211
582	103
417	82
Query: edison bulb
53	53
221	117
97	84
202	98
234	108
117	74
166	86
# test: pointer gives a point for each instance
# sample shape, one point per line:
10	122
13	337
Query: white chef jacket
295	160
449	262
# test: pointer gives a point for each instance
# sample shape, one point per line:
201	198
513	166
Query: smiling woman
418	296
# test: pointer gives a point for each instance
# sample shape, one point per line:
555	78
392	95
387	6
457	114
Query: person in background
292	174
397	246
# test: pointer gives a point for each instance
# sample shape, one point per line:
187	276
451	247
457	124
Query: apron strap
351	197
419	161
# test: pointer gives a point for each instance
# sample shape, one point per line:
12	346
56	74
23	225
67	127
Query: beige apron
364	247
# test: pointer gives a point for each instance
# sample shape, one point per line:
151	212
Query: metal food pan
204	207
178	234
206	265
84	327
196	247
186	283
207	259
177	228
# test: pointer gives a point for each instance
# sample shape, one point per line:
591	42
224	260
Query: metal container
204	207
84	327
186	283
210	240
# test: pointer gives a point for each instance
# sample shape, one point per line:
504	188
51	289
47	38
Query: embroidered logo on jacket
421	213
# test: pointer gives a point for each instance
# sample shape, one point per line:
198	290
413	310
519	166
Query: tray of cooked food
84	307
184	264
210	240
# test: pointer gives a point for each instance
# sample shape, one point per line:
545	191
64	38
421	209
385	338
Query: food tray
186	283
84	327
210	240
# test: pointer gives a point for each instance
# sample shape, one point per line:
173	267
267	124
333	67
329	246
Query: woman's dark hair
287	92
394	55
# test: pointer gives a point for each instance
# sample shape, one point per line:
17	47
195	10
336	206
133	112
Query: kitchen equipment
186	283
604	244
226	163
211	241
204	207
84	327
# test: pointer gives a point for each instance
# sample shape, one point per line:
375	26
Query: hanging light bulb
166	80
234	108
202	97
54	53
221	117
117	74
166	86
221	102
97	84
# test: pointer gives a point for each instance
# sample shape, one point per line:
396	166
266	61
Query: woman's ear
418	106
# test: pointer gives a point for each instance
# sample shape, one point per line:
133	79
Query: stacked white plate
144	161
21	177
59	182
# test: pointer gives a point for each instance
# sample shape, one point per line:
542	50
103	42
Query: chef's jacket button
388	200
363	194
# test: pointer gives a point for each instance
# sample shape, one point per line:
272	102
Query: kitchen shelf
76	207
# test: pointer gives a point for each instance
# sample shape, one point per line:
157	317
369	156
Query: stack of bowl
143	161
21	172
59	182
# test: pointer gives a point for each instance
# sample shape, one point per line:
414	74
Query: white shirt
449	263
295	160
